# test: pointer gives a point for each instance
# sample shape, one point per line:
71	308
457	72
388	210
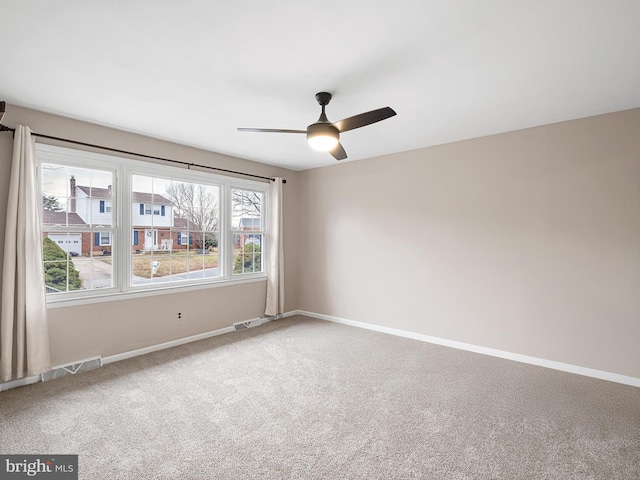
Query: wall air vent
249	324
72	369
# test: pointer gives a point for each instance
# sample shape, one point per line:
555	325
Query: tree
246	205
57	267
198	205
51	202
247	202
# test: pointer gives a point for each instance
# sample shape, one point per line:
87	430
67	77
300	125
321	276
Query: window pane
177	225
246	216
60	272
247	253
181	263
67	267
76	196
246	206
96	270
75	256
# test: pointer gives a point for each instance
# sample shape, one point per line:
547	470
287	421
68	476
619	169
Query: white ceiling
192	71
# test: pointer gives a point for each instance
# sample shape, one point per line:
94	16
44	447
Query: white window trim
123	169
262	232
105	244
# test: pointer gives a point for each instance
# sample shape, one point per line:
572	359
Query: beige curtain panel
275	279
24	336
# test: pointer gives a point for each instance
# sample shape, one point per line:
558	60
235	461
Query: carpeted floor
308	399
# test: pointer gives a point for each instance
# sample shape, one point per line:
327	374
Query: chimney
72	184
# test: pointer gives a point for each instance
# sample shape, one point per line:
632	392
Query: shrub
249	261
205	240
55	272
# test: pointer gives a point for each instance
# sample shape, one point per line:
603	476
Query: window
118	226
184	238
181	240
152	209
74	236
246	210
105	238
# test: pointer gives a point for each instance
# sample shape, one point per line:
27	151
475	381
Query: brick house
248	224
154	226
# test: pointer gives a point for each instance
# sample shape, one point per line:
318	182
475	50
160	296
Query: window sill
53	303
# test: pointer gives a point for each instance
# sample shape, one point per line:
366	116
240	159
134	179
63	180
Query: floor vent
72	369
248	324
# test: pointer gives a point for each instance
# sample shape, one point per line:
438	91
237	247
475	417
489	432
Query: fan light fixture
322	141
322	136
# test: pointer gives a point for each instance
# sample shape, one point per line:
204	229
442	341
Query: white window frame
77	159
123	170
262	232
108	244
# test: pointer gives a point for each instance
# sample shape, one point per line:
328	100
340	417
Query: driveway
98	273
94	274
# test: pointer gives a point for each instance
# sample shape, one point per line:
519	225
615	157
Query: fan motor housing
322	128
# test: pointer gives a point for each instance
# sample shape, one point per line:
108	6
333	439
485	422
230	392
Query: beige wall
527	242
114	327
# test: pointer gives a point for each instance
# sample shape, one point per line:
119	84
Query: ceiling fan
324	135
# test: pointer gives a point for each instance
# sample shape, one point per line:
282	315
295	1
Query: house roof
251	223
155	198
137	197
49	217
95	192
183	223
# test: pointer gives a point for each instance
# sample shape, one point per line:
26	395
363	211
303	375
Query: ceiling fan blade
364	119
270	130
338	152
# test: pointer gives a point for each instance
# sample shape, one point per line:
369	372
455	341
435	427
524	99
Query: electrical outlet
179	316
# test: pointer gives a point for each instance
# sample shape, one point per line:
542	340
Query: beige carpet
307	399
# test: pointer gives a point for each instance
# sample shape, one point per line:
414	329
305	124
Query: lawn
173	263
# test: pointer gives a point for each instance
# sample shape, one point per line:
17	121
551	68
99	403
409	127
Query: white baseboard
20	382
181	341
541	362
162	346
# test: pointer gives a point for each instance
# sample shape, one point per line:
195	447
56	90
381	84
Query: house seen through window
171	230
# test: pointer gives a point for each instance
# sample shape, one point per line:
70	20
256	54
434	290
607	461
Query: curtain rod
4	128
